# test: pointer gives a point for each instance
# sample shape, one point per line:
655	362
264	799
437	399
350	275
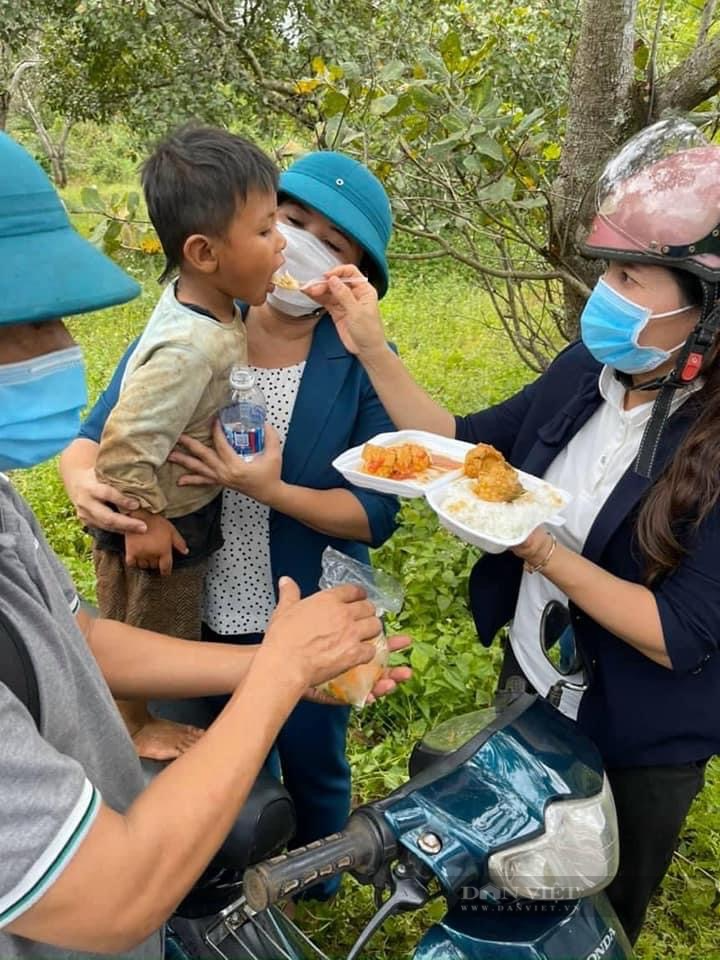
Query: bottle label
246	442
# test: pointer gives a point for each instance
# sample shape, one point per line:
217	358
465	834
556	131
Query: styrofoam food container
348	463
483	538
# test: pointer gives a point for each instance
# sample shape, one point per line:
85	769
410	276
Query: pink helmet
658	201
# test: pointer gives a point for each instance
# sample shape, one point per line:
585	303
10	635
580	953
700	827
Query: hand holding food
286	281
355	685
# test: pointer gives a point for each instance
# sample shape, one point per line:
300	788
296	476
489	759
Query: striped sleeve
47	806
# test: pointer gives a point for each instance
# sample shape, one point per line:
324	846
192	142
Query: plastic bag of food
387	595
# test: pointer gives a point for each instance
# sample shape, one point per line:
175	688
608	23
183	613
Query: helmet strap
687	367
710	243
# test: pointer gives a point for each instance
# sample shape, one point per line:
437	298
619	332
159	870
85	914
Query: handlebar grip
288	874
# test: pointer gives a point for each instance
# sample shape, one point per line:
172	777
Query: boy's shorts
171	605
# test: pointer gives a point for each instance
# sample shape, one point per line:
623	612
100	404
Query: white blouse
239	595
589	467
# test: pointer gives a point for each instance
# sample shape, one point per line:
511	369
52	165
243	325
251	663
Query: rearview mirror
557	639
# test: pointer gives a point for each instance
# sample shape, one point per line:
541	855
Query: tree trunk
696	79
4	108
55	152
603	112
58	159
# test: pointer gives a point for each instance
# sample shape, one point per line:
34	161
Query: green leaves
122	225
334	102
393	70
381	106
502	189
487	146
451	50
91	199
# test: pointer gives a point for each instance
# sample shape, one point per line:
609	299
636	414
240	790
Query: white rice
500	521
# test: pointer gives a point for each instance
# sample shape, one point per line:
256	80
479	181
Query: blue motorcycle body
507	815
490	794
585	929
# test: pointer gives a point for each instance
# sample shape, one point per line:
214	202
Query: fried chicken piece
400	462
495	479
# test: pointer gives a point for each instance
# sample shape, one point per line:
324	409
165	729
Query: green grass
452	344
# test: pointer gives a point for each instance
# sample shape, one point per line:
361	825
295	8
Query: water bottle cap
241	378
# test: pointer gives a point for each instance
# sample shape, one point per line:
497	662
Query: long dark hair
689	487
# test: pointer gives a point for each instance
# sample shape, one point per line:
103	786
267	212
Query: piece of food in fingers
495	479
354	686
285	280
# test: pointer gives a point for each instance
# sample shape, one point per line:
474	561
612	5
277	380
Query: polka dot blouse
239	595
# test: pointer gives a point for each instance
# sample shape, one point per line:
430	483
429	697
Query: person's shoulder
575	359
13	505
573	373
176	328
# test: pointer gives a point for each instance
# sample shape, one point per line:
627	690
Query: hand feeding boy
211	197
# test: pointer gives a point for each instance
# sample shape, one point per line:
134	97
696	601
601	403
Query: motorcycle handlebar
359	848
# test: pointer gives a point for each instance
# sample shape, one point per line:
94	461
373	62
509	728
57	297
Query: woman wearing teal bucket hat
93	859
282	510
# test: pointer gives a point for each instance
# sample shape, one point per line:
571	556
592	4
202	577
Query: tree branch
210	12
277	86
206	12
694	80
706	22
652	59
19	71
430	255
482	268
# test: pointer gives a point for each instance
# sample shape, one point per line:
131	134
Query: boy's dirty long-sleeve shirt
176	381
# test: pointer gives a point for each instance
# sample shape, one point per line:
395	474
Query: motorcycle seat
264	826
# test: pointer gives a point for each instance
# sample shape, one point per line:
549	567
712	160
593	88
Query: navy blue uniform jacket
638	713
336	408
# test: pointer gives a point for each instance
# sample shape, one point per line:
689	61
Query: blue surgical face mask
40	404
610	326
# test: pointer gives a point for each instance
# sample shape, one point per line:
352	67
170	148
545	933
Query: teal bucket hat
47	270
350	196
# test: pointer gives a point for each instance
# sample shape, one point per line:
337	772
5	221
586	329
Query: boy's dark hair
194	180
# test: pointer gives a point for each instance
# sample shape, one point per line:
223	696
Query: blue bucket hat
47	270
350	196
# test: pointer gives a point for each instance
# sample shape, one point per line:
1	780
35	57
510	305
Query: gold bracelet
534	567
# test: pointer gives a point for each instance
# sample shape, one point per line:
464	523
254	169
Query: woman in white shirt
627	420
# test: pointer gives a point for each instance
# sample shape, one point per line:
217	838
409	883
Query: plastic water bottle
243	419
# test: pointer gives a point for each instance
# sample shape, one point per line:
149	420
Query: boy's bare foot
164	739
156	739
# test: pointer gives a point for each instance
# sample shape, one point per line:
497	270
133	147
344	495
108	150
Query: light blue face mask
40	404
610	326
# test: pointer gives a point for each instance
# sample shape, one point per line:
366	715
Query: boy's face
250	251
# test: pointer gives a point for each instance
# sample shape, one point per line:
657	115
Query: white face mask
306	258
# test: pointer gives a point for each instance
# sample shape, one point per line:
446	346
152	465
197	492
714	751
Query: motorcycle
507	815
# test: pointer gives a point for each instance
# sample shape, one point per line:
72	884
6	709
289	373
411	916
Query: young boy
211	197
